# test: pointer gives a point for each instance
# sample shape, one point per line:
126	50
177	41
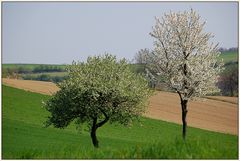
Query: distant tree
141	61
43	77
100	90
229	49
141	56
12	73
184	58
233	49
228	81
152	81
57	79
222	49
4	73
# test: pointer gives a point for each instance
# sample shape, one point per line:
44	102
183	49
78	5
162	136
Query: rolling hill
24	137
216	113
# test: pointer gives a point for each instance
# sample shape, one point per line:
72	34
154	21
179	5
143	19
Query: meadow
24	137
229	56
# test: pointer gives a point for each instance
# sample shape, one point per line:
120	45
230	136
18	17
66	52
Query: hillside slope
217	114
24	137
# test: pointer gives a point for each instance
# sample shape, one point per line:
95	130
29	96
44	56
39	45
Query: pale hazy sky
60	32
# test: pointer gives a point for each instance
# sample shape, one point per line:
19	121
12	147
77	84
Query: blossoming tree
96	92
184	57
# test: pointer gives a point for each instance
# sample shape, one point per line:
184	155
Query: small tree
184	58
100	90
141	56
228	81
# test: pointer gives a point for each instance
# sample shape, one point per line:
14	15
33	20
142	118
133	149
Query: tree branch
180	95
104	121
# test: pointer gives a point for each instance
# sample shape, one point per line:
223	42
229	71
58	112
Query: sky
60	32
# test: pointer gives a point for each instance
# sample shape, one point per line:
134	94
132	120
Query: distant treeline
233	49
47	68
44	77
38	69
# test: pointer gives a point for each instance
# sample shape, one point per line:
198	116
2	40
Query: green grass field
229	56
24	137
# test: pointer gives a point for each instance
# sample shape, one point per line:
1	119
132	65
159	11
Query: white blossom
183	54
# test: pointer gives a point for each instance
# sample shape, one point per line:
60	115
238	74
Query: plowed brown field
216	113
47	88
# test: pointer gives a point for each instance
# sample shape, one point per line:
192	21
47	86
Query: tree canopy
100	90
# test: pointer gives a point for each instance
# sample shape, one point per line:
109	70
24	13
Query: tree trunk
93	133
184	115
95	126
231	91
